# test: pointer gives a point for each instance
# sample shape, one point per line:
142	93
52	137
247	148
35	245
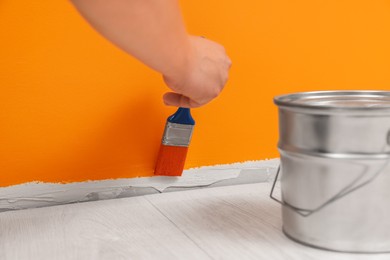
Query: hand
202	78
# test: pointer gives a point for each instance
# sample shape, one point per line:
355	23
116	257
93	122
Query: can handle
345	191
302	212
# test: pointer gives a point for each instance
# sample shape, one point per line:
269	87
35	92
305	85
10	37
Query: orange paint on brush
171	160
175	142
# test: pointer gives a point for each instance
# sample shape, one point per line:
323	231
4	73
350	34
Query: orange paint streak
75	108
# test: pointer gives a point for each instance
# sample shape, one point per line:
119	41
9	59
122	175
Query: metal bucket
335	174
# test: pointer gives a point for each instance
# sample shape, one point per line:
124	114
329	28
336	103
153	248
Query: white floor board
231	222
112	229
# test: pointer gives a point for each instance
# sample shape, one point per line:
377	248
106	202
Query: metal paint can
335	172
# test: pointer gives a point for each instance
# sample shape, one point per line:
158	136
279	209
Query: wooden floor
232	222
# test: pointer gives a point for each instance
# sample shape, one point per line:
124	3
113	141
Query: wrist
181	63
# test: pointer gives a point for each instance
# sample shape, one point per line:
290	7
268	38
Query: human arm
153	31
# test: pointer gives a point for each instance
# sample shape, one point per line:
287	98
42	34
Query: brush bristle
171	160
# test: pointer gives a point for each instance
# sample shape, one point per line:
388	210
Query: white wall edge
38	194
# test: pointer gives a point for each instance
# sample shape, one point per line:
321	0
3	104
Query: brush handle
182	116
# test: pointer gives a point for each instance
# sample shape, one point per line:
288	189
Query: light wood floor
232	222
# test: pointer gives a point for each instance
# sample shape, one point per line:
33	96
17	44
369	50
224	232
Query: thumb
178	100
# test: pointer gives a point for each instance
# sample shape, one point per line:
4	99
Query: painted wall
73	107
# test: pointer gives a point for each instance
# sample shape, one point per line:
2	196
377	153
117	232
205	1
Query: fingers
204	77
178	100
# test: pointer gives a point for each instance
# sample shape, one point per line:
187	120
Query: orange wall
74	108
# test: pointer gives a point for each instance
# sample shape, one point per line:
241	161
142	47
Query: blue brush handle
182	116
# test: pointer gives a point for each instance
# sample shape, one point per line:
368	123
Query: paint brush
174	144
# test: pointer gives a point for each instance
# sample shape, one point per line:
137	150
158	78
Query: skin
194	68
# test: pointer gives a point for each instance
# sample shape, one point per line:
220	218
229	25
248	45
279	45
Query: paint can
335	169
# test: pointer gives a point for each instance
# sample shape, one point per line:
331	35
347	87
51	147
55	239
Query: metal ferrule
177	134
